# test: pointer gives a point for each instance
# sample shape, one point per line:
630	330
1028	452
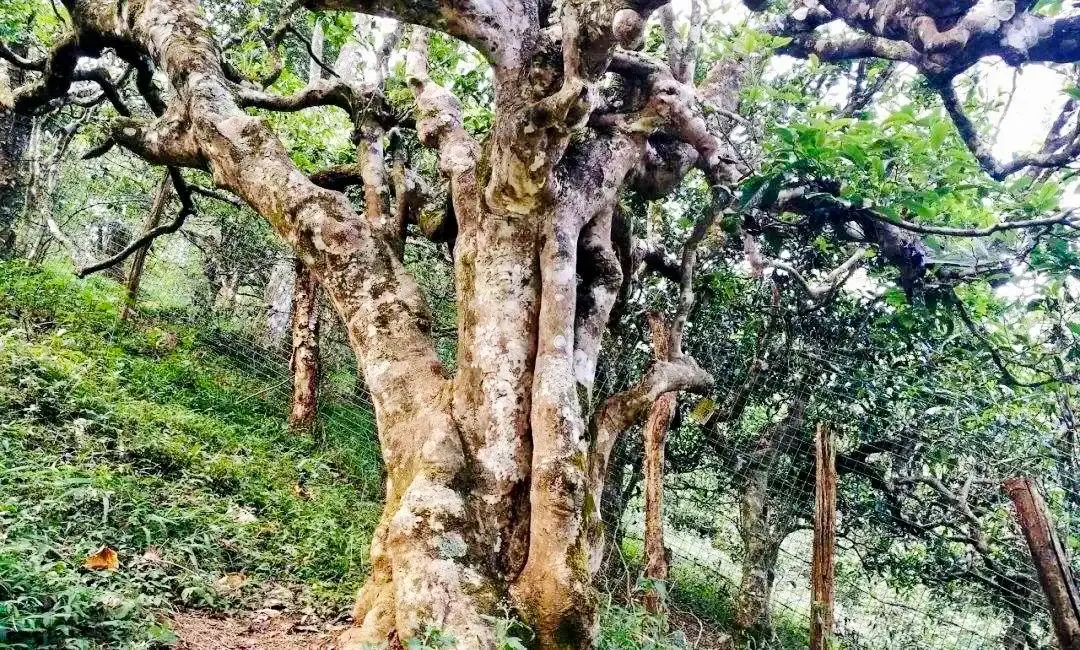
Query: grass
708	596
166	442
147	441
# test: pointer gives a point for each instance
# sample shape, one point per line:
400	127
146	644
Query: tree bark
761	546
279	303
14	139
494	475
822	581
138	258
304	362
766	518
655	442
1051	563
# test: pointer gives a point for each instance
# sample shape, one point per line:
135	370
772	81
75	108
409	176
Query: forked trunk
494	475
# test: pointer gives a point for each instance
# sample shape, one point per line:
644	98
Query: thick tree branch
981	150
830	47
499	29
14	58
901	248
57	74
439	126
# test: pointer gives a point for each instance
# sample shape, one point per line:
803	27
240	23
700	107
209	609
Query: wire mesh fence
929	552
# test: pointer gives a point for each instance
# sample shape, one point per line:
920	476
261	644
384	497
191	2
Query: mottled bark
138	259
494	475
304	361
752	616
14	138
279	303
766	518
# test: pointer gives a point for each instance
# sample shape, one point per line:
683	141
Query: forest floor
145	471
151	495
199	631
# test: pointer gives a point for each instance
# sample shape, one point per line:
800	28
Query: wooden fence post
654	442
822	570
1051	563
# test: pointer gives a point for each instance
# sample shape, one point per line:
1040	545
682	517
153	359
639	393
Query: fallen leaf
230	582
105	559
241	515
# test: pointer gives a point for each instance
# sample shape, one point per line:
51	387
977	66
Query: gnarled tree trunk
494	474
14	138
760	546
766	518
495	471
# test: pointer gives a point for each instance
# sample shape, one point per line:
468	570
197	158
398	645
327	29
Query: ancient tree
495	471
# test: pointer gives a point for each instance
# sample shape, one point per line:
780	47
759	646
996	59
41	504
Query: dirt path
262	630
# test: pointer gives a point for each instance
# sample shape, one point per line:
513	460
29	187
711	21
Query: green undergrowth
166	442
707	596
144	439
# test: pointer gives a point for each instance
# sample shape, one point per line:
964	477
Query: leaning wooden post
822	570
654	442
138	258
1051	563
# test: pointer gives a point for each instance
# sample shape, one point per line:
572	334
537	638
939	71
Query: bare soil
265	629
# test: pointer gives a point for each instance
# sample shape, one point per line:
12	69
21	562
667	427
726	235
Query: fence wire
929	554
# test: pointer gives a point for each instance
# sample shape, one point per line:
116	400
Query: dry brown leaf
230	582
105	559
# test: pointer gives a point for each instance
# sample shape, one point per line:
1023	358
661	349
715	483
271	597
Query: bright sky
1039	89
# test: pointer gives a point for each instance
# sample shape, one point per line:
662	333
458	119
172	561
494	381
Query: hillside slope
165	443
148	441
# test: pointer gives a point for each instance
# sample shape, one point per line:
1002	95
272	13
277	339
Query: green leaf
1047	7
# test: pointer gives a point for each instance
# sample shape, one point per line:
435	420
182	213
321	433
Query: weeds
164	444
140	440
